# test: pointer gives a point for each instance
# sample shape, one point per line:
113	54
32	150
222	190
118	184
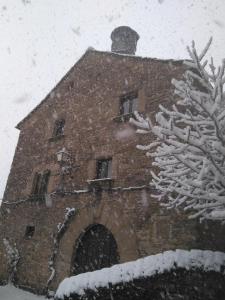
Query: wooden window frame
128	103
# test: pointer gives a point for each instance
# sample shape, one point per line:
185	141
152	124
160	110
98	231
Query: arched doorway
95	249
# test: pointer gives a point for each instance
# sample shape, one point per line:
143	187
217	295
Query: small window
29	232
71	85
44	182
104	168
36	184
128	103
59	128
40	185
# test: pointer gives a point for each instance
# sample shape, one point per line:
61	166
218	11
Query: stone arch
95	248
108	212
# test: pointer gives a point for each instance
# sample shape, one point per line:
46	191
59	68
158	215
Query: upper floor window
104	168
40	185
129	103
59	128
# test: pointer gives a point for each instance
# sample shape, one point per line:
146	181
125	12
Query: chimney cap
124	40
125	31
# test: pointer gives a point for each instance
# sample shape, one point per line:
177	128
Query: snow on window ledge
144	267
99	180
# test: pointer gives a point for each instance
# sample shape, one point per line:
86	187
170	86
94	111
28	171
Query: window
29	232
36	184
40	185
71	85
104	168
128	103
59	128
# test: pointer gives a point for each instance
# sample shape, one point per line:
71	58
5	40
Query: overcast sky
42	39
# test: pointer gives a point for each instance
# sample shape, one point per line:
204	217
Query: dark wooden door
95	250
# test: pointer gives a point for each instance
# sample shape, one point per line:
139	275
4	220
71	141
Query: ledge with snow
179	274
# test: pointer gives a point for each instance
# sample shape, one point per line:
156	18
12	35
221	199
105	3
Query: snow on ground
9	292
144	267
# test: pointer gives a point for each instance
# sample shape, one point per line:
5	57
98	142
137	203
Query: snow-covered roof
141	268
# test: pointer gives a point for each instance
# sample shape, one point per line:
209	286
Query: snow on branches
13	257
189	150
61	229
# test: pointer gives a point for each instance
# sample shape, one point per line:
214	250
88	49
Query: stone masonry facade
88	99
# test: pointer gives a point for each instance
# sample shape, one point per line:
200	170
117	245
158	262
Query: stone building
78	197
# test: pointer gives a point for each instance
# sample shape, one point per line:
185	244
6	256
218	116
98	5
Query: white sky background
41	39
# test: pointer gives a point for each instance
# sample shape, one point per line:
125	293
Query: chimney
124	40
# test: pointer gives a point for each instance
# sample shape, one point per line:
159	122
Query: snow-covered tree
189	150
61	229
12	255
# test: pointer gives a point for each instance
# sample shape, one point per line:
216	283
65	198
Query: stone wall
88	98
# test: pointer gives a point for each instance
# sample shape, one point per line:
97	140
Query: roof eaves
167	60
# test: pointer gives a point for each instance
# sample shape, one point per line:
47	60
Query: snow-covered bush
189	149
149	266
13	257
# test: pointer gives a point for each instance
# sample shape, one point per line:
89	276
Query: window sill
37	198
56	138
101	184
123	118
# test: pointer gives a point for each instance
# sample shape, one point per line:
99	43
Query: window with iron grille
129	103
104	168
59	128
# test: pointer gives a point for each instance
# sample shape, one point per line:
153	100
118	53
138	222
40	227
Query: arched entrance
95	249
